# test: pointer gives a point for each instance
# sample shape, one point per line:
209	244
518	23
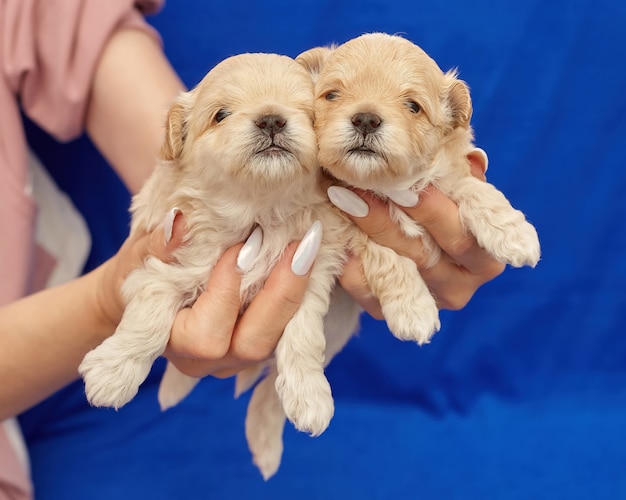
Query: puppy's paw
414	318
112	380
517	245
307	401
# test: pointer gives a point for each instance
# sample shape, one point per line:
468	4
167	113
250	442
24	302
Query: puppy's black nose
271	124
366	122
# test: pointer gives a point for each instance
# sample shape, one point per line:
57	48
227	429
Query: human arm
44	337
132	88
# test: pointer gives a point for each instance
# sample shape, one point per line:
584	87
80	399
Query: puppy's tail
245	379
265	422
175	386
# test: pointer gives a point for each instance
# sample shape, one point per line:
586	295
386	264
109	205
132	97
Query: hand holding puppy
464	266
211	338
244	339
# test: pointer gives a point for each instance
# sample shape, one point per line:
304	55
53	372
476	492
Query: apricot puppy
240	152
390	121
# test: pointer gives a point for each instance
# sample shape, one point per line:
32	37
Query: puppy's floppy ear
313	60
176	127
459	102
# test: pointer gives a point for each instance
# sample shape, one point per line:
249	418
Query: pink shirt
49	50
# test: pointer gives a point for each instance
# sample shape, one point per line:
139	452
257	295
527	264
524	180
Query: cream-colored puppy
240	153
388	120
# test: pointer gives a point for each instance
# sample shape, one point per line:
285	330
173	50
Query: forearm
132	89
44	338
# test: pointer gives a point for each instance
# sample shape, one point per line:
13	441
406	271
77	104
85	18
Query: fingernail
346	200
307	250
483	154
403	197
168	224
250	250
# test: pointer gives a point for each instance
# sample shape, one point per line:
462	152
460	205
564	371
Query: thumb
479	162
168	237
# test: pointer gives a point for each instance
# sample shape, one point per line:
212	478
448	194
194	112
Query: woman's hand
463	266
211	337
161	243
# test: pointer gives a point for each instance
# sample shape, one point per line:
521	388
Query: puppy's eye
221	114
332	95
413	106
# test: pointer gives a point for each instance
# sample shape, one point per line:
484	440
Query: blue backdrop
521	395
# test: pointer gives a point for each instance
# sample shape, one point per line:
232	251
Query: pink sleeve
50	49
14	483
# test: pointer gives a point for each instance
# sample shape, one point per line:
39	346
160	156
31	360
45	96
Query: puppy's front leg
114	370
499	228
407	305
301	383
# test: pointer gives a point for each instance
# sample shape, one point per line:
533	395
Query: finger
439	215
354	283
168	237
263	322
371	215
204	330
445	273
479	162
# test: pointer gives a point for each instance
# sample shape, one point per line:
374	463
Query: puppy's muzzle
366	123
271	124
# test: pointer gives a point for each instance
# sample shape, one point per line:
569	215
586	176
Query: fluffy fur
388	118
228	174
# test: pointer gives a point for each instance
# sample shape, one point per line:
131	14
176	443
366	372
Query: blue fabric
521	395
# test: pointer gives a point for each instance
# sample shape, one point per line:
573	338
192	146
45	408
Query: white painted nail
307	250
483	154
250	250
403	197
349	202
168	224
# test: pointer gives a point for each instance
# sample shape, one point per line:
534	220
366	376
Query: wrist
106	301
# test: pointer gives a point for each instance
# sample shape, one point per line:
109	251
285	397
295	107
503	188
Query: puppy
389	121
240	152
